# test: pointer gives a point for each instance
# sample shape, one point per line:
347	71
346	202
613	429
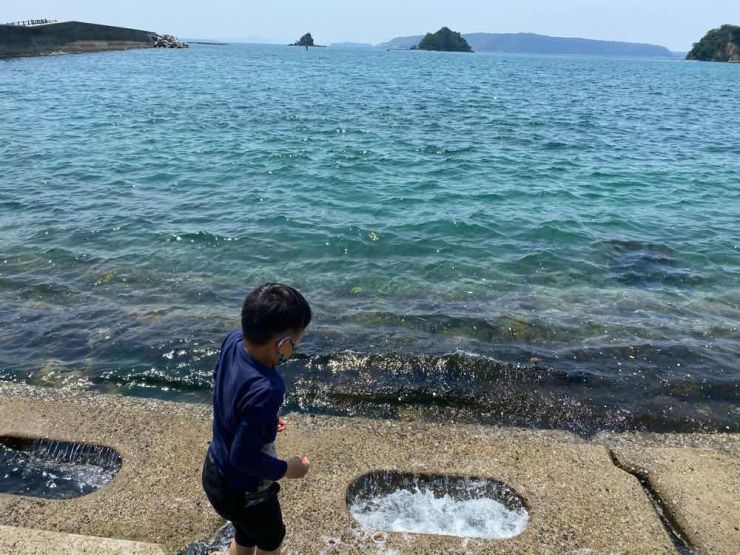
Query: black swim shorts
257	522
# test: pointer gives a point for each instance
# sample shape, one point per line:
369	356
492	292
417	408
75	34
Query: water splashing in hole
443	505
54	469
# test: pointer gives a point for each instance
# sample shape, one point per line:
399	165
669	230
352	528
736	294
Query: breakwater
580	496
75	36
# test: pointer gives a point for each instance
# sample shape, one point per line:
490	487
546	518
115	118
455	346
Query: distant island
444	40
530	43
718	45
306	41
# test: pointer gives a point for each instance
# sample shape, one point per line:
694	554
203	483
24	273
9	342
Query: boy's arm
246	451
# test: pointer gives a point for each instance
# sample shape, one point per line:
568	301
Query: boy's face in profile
286	346
274	318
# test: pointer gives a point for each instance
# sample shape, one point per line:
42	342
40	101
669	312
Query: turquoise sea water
544	241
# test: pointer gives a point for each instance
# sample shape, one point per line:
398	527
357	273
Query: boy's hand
297	468
282	424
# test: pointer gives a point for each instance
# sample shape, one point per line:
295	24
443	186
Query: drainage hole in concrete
442	505
54	469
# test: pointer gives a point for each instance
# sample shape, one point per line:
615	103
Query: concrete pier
22	541
579	497
70	37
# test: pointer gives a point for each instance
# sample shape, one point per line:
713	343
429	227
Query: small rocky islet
444	40
307	42
718	45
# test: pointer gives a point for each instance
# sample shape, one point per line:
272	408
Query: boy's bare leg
276	552
236	549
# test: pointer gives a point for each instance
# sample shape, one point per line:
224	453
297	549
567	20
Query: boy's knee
273	546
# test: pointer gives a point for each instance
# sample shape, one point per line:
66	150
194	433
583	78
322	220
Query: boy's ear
286	349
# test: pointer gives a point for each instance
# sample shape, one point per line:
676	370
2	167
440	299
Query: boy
241	469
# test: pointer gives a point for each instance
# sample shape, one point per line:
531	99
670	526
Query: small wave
462	387
480	389
202	238
153	378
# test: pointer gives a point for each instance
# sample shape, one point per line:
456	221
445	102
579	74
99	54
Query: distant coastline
349	44
208	43
511	43
530	43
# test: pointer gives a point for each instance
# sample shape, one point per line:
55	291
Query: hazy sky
672	23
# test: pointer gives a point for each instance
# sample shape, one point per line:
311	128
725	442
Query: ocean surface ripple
522	240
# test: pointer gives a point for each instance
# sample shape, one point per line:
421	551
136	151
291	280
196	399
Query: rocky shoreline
168	41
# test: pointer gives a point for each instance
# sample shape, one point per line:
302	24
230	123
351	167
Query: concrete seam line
666	516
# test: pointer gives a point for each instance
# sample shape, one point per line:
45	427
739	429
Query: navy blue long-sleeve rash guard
246	399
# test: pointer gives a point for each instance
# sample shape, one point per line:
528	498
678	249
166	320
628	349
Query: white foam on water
420	512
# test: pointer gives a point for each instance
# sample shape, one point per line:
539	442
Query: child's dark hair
273	309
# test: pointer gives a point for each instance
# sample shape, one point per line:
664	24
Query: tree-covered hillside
718	45
444	40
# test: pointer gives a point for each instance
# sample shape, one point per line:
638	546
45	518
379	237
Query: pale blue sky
672	23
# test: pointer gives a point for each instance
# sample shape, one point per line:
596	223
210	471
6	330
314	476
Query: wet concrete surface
578	500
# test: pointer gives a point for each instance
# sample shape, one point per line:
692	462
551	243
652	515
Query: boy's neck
261	353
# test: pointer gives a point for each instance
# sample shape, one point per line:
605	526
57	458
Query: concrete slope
69	36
